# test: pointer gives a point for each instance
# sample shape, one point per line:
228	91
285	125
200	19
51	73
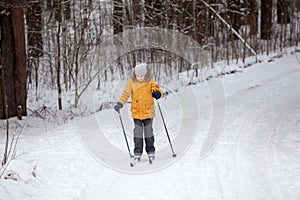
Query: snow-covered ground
237	137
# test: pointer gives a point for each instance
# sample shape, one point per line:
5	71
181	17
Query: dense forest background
62	38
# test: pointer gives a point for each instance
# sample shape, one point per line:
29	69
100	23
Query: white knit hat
141	69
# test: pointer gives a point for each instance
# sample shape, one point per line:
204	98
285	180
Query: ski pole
125	135
162	117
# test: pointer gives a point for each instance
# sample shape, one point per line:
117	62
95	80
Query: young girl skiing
142	89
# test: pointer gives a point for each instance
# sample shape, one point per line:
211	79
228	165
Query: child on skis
142	89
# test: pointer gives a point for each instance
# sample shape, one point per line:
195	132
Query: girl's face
140	78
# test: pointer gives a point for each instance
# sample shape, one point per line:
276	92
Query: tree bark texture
13	63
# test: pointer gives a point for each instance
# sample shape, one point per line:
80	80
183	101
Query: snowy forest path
256	153
260	126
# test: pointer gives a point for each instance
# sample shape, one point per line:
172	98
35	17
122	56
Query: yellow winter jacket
142	105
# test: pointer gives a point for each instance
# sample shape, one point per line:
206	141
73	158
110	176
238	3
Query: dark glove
118	106
156	94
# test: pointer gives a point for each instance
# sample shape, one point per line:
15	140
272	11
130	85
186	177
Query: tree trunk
266	19
58	59
13	63
118	16
7	65
283	9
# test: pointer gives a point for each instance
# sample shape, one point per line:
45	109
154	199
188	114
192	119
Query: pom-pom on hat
141	69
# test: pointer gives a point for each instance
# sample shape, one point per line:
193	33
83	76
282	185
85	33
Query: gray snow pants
143	131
